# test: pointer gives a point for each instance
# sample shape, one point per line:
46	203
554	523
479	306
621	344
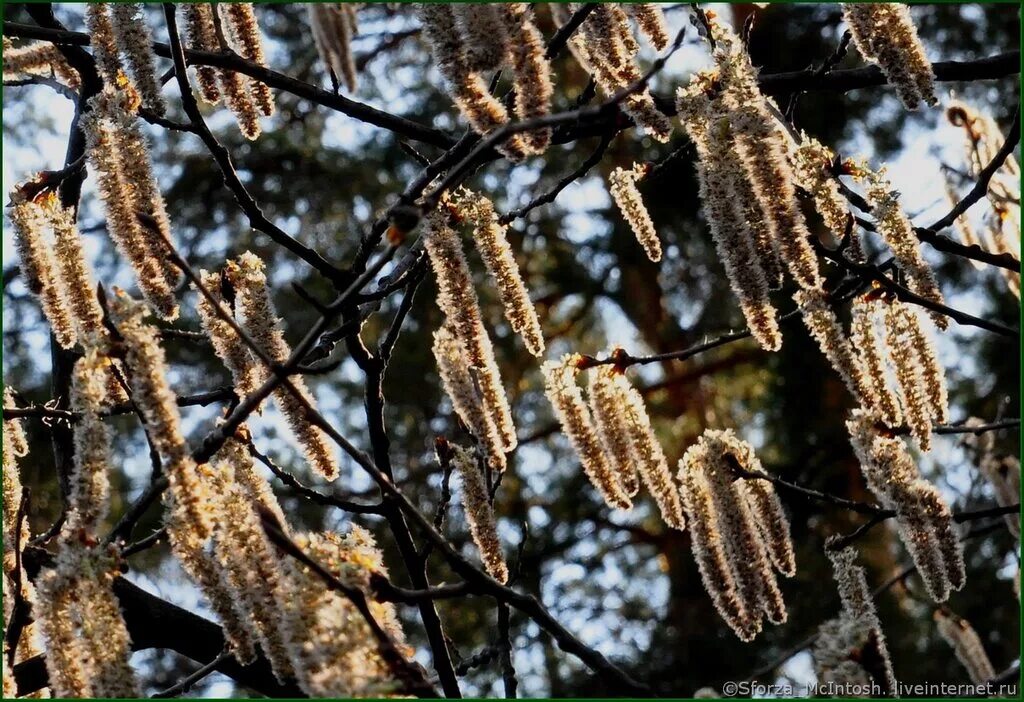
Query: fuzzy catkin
103	41
227	344
259	318
933	375
136	44
531	71
201	35
333	28
454	370
812	163
40	268
147	372
76	276
622	184
870	347
824	326
1003	474
244	32
37	58
490	237
89	499
885	34
612	425
966	643
484	34
651	20
732	214
68	661
480	513
457	299
578	424
916	393
837	652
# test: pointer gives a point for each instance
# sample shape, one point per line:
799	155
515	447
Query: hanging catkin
812	167
969	650
622	184
824	326
227	344
243	33
76	276
885	34
612	425
136	44
651	20
484	34
457	299
731	210
578	424
247	274
480	513
38	58
454	370
531	71
870	345
201	35
490	237
914	394
103	42
333	26
89	494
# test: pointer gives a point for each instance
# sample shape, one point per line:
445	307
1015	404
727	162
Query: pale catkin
576	421
812	166
733	217
106	633
454	370
40	268
333	29
484	34
76	276
838	650
967	646
531	71
227	344
244	32
457	299
38	58
824	326
103	41
68	661
869	343
612	425
259	318
910	373
201	35
897	231
14	446
933	375
651	20
885	34
622	184
467	88
490	237
480	513
136	44
147	373
89	499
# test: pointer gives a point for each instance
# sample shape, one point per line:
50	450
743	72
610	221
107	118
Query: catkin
468	90
227	344
103	42
967	645
40	268
233	86
457	299
812	164
68	660
15	445
1003	473
531	71
910	373
37	58
201	35
578	424
147	372
824	326
136	44
89	499
484	33
247	275
837	652
733	216
244	32
107	639
457	380
885	34
333	27
141	246
897	231
622	184
933	375
479	513
491	239
651	20
76	276
871	349
612	425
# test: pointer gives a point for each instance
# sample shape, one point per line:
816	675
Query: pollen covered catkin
76	276
227	344
824	326
576	421
247	274
651	20
136	44
89	498
885	34
910	373
966	643
872	350
103	42
531	71
490	237
812	163
622	184
484	34
333	26
457	299
40	59
244	32
612	425
480	513
201	35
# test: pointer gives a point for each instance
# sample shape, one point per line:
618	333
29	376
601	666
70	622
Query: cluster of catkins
738	530
604	45
334	25
1001	470
123	47
37	59
469	39
966	644
612	434
462	346
850	650
246	97
923	518
1001	234
885	34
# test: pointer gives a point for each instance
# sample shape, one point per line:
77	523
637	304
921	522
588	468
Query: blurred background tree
624	582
